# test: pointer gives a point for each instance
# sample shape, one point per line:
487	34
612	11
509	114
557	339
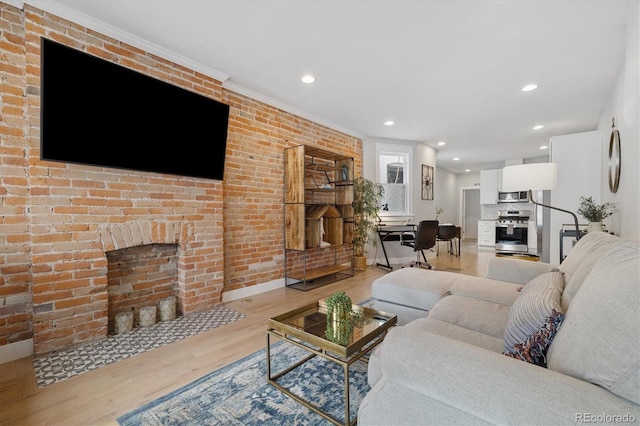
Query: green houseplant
595	213
341	319
338	303
367	196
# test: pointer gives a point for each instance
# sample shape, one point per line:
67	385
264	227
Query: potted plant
367	196
595	213
338	305
341	319
439	211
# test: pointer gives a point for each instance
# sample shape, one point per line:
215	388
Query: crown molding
72	15
16	3
285	107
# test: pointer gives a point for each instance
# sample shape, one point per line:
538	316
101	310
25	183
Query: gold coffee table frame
305	328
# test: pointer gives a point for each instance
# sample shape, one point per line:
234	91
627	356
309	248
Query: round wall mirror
614	161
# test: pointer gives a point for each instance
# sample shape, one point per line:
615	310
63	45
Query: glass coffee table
342	342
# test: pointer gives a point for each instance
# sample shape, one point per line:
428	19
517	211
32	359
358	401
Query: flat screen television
95	112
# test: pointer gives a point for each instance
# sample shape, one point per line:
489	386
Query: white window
393	171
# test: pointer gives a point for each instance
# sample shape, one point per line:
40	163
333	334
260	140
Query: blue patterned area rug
239	394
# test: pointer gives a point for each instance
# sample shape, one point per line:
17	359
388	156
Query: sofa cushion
504	293
393	403
534	319
517	271
422	328
405	314
413	287
473	314
581	259
462	334
599	339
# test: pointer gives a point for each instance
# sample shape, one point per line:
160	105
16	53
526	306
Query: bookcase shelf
318	197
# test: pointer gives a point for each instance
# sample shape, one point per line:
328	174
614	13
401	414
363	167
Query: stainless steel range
512	231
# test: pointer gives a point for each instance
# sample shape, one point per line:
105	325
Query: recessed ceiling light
456	158
529	87
389	123
308	79
467	170
544	147
538	127
441	143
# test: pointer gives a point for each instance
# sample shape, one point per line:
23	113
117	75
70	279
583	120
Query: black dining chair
425	239
446	233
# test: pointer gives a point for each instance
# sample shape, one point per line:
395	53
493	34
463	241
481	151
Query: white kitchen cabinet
488	186
486	233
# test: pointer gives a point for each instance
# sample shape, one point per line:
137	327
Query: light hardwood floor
101	396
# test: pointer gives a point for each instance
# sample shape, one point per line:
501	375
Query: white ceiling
442	70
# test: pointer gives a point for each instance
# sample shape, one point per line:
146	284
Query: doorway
470	212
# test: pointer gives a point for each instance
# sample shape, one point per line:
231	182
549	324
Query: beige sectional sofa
572	332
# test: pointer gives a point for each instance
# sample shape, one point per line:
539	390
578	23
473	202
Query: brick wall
15	260
57	221
253	185
317	257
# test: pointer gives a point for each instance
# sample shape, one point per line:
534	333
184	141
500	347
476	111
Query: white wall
425	209
577	157
469	179
422	209
446	196
624	106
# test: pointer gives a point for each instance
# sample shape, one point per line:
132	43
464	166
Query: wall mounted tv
94	112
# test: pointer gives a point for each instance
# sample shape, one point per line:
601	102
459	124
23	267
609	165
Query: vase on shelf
595	227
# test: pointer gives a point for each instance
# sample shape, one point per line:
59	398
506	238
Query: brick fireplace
71	301
138	277
140	274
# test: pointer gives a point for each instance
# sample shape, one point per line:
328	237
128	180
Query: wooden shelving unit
318	197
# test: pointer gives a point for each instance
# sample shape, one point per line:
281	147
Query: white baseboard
242	293
16	350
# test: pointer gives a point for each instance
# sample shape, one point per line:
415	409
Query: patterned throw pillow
534	319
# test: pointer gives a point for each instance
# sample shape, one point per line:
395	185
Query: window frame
407	153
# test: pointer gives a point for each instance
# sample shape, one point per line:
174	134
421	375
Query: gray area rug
62	365
239	394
